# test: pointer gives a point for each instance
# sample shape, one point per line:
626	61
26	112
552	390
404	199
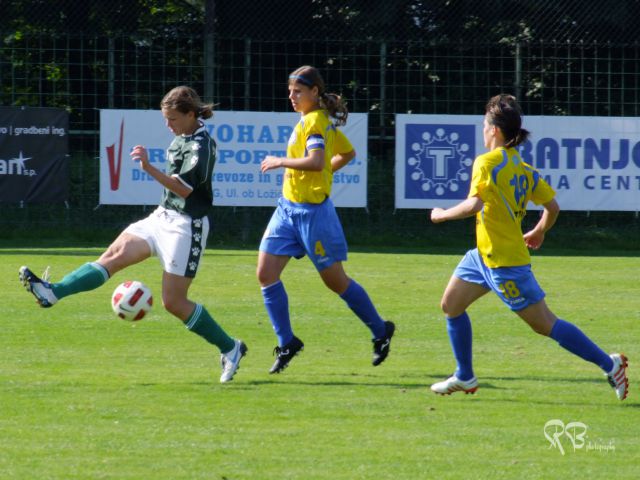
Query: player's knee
539	330
172	304
337	285
265	276
446	307
542	328
114	257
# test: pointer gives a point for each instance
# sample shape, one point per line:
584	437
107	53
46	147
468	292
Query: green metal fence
381	75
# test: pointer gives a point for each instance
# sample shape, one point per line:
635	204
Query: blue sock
87	277
460	336
358	301
276	302
571	338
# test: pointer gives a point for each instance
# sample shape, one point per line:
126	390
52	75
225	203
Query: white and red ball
131	300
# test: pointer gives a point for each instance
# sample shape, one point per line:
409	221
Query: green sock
203	324
87	277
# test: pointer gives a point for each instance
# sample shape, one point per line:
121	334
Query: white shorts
177	239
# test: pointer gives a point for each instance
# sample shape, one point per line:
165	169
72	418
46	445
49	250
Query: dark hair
504	112
332	102
185	99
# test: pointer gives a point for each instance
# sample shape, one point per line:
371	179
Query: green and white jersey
190	159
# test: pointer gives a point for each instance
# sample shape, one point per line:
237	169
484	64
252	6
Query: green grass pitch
85	395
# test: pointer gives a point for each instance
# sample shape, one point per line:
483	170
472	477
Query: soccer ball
131	300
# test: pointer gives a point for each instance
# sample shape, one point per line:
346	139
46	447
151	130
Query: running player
501	187
306	222
176	231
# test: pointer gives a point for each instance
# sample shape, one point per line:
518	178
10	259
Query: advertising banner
593	163
243	140
34	147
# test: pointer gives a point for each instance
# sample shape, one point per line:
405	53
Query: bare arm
139	153
464	209
534	237
339	160
313	162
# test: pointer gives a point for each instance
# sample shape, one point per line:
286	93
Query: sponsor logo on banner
16	166
593	163
34	165
243	140
115	164
438	160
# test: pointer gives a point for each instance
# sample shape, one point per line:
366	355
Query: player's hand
533	239
139	154
270	163
437	215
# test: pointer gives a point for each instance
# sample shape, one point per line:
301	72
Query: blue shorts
516	286
299	229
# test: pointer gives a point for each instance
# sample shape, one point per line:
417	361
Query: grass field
85	395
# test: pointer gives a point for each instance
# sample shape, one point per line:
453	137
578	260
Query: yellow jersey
506	185
314	131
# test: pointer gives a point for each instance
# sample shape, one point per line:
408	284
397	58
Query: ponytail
205	111
336	107
520	137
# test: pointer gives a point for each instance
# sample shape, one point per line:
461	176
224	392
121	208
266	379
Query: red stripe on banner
115	165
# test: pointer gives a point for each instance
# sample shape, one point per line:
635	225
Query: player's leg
356	297
125	250
279	243
275	297
540	318
358	300
325	243
458	296
276	302
180	242
199	321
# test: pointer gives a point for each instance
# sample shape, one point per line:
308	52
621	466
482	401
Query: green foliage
86	395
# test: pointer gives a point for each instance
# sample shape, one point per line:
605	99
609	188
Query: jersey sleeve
480	179
541	191
314	138
342	143
195	168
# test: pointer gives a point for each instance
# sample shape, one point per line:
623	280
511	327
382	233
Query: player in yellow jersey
501	187
305	221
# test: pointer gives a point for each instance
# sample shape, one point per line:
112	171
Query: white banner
244	139
593	163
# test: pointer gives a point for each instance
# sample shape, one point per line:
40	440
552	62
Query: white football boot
39	287
617	377
454	384
230	361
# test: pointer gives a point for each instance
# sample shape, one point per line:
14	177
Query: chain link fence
443	57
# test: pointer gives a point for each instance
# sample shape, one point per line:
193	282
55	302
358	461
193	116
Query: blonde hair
185	99
332	102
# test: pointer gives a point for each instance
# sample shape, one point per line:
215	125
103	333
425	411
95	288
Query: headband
301	79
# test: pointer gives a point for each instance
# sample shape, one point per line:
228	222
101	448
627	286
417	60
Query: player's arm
313	162
345	151
464	209
534	237
339	160
139	153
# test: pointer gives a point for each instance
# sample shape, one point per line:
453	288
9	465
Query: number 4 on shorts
319	250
